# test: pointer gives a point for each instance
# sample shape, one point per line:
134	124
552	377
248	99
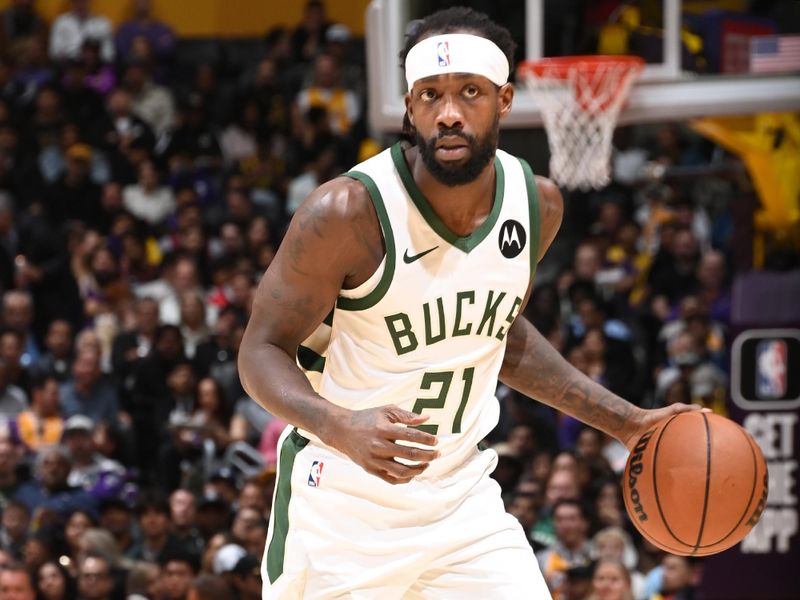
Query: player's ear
409	112
505	97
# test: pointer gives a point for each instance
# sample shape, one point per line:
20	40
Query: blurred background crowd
145	183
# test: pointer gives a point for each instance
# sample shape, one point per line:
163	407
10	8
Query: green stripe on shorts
292	444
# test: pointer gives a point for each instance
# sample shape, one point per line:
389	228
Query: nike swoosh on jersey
410	259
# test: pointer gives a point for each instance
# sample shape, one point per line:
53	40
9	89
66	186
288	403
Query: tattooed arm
533	367
334	241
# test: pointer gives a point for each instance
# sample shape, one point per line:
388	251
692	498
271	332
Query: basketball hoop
580	98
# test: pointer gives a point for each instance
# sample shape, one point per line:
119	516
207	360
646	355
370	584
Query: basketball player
398	289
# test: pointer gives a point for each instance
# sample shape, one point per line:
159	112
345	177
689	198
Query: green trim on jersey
372	298
292	444
310	360
533	213
465	243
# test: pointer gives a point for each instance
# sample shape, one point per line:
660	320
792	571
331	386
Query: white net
580	103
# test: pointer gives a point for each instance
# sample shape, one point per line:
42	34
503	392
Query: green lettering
501	333
490	312
401	332
429	337
457	328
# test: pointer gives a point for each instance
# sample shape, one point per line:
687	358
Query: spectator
712	286
100	76
183	512
57	358
255	494
572	547
116	517
10	482
90	470
118	131
49	492
525	508
78	522
180	276
611	581
615	545
89	393
53	582
16	583
211	587
152	103
680	578
309	36
20	22
326	91
147	199
75	195
95	578
42	424
194	323
150	393
178	569
578	583
72	28
16	520
130	346
159	35
238	139
13	400
143	581
81	102
215	542
18	314
247	577
157	541
194	138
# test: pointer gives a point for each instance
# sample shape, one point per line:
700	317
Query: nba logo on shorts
315	474
771	366
443	53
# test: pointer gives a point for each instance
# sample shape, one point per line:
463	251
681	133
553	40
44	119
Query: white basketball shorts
338	532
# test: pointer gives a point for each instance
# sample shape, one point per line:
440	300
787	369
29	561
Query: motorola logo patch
512	238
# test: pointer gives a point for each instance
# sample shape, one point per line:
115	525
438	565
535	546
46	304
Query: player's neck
463	207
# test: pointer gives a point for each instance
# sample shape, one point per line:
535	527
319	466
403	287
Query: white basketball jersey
427	331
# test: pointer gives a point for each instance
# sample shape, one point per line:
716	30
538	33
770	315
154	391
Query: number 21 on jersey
444	381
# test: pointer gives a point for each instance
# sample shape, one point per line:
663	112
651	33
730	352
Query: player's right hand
369	438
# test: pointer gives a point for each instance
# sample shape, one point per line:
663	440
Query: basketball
695	484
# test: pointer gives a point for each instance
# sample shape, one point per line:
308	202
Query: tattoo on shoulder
311	216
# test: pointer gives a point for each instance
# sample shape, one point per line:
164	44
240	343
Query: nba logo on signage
443	53
765	369
315	474
771	365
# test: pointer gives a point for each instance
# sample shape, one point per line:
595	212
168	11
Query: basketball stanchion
580	99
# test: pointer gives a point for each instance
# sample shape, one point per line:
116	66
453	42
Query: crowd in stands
142	196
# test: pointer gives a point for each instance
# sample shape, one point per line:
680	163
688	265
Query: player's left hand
646	419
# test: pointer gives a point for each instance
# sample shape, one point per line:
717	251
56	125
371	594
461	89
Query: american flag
774	53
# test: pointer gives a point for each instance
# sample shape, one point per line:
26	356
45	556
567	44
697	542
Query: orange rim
559	67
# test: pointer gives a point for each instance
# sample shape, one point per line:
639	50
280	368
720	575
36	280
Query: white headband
456	53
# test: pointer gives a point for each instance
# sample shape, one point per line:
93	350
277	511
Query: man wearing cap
90	470
396	292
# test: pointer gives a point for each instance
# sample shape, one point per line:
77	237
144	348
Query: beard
482	150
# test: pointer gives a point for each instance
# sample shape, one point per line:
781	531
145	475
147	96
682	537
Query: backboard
667	90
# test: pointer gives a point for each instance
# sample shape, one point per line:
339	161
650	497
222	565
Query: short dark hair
180	555
152	500
211	587
584	510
